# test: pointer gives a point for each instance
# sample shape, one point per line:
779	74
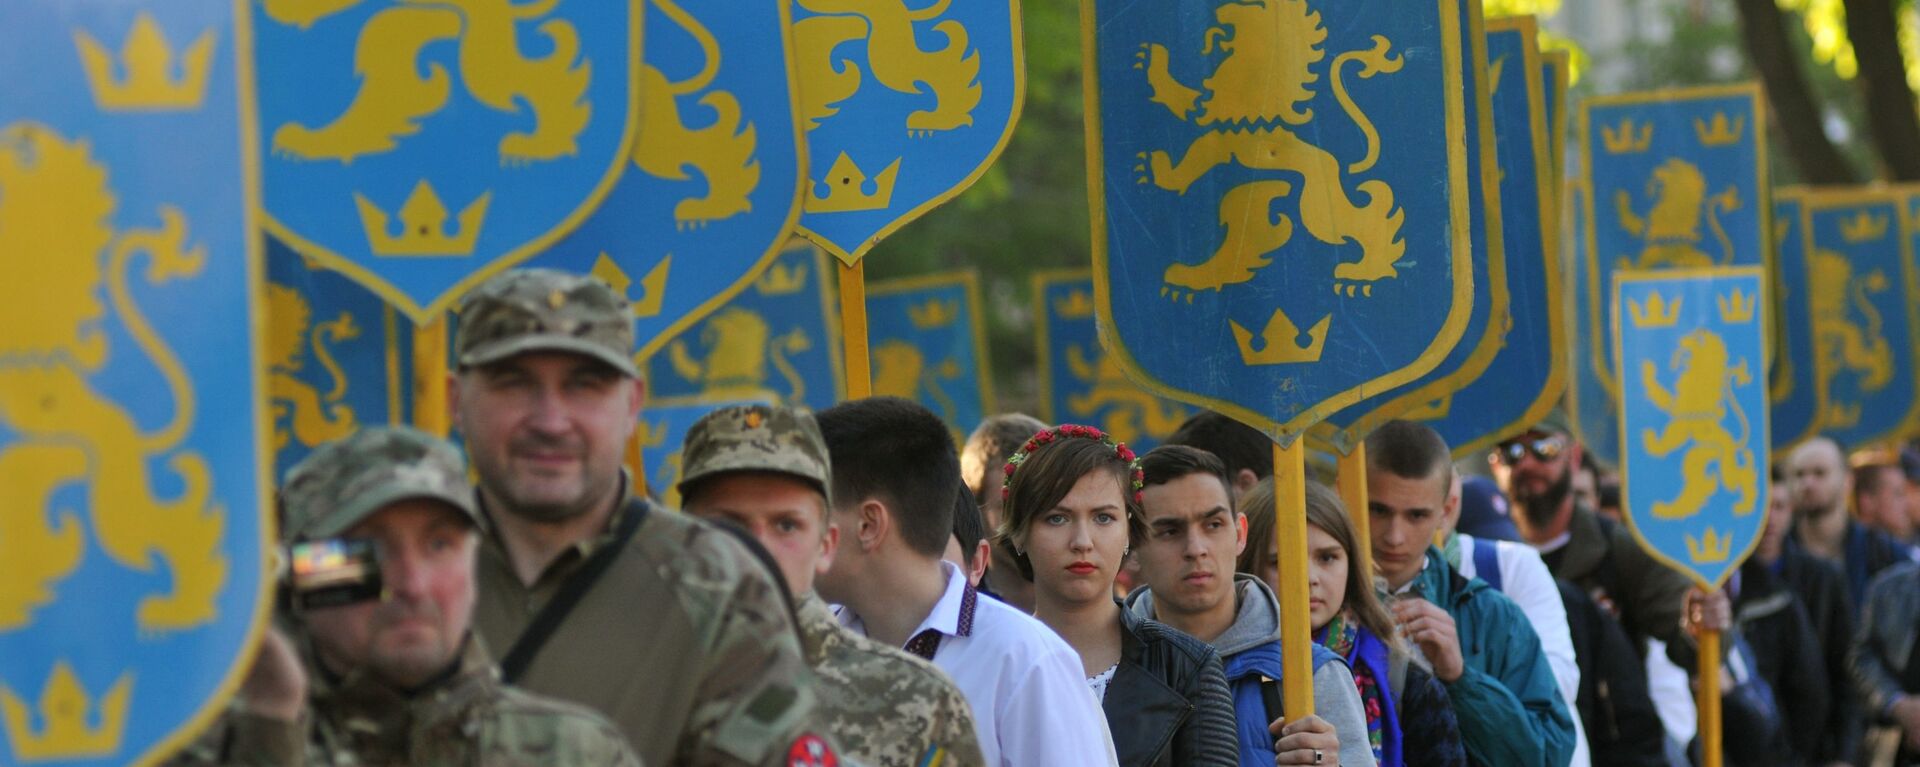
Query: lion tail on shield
170	259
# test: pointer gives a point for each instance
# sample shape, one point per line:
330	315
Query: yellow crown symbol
1720	132
1863	227
1281	341
1710	548
64	709
846	188
1736	308
1841	416
782	280
933	314
1623	139
148	62
1657	313
1076	306
423	221
652	433
653	286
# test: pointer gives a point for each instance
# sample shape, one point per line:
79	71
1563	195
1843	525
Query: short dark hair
1409	450
969	527
1167	463
1236	445
1048	475
901	453
1868	478
988	448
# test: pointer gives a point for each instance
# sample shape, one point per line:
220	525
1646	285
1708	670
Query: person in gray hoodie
1193	536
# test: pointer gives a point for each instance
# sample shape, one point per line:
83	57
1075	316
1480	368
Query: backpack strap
576	586
1270	695
1486	563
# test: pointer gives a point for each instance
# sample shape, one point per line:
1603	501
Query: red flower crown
1074	431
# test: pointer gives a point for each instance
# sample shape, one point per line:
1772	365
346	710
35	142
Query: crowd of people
851	588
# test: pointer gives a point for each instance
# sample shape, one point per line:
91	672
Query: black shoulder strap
1270	695
548	621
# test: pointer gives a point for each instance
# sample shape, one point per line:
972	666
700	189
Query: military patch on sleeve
810	750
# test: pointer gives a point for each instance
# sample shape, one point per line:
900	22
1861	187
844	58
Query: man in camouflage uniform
396	679
668	625
766	469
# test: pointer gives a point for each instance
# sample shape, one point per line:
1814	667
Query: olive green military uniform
685	640
465	717
883	706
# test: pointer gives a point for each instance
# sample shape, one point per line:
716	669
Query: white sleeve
1051	717
1530	585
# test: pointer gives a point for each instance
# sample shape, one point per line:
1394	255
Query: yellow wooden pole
430	377
853	329
636	462
1353	493
1708	703
1296	626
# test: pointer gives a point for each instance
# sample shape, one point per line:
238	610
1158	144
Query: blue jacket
1247	670
1507	701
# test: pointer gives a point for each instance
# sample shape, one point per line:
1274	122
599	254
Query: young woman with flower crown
1072	511
1410	720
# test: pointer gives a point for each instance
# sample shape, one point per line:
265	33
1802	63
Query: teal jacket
1508	704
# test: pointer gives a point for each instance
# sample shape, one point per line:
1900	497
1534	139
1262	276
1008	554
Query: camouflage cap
1555	422
772	438
348	480
527	310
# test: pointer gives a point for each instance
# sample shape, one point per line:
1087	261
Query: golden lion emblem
900	369
299	410
57	247
1701	396
950	74
1843	345
1251	98
1671	228
721	152
1131	412
394	96
740	344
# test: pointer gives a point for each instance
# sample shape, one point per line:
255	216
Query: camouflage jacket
884	707
467	718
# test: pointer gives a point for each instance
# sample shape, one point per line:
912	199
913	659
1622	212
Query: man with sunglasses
1597	554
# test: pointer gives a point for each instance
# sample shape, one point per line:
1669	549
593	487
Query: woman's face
1077	546
1326	576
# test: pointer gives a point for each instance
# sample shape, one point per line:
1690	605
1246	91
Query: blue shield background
1590	402
784	321
350	365
1391	330
310	73
1431	395
122	494
1079	383
1861	271
928	345
663	430
1651	478
1528	373
938	95
675	217
1793	386
1729	223
1556	71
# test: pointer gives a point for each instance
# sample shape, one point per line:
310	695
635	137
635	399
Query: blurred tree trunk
1795	107
1873	27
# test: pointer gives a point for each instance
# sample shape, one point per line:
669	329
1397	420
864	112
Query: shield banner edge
1798	195
1763	434
851	257
439	305
1292	428
1816	200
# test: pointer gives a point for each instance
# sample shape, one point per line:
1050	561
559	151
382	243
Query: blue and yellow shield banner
1555	77
1527	375
1431	395
1861	313
1693	414
133	431
419	148
1675	179
1792	385
715	183
662	433
1254	201
928	342
1079	381
1590	402
904	108
337	357
776	341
